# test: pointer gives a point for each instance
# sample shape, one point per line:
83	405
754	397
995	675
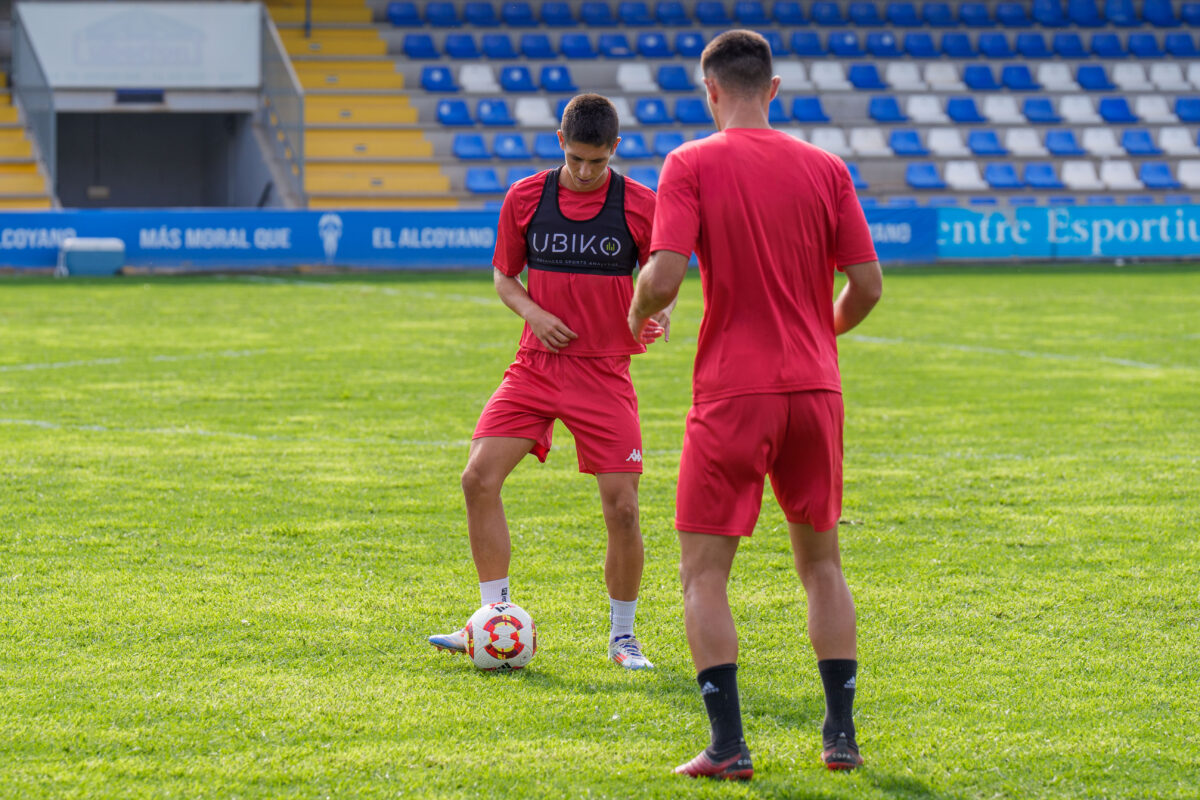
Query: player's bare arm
864	287
656	292
549	329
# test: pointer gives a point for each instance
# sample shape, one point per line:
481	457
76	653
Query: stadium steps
333	41
358	109
367	73
365	144
323	11
340	177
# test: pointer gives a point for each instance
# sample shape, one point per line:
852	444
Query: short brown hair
740	61
591	119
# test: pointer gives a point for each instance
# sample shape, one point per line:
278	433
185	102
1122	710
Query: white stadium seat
623	109
478	78
943	77
1177	141
869	142
1024	142
1080	176
925	108
1077	108
1169	77
1153	108
946	142
1189	173
1055	76
795	133
1131	78
634	77
1002	109
904	76
1193	74
698	75
1101	142
831	140
792	75
829	76
1119	175
964	176
534	112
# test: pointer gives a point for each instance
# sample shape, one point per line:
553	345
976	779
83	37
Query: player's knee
622	514
479	483
819	570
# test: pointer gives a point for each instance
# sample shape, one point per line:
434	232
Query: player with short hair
580	229
770	218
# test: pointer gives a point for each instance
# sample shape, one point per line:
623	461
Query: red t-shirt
770	218
596	307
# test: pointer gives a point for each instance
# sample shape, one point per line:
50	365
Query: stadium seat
1153	108
1049	13
1188	109
442	15
865	76
844	44
420	46
636	78
1137	142
920	45
904	76
925	108
534	112
1041	175
1012	15
776	113
517	79
1002	175
775	40
1040	111
537	46
1160	13
545	145
964	176
1068	45
514	174
974	15
856	177
985	143
1032	45
995	45
1094	78
556	78
674	78
510	146
807	43
1001	109
1189	173
808	109
494	112
666	141
437	79
1107	45
1169	78
902	15
480	15
1024	143
750	12
902	201
1121	13
636	14
1101	142
482	180
712	13
453	112
1116	109
518	15
938	15
577	45
692	111
883	45
923	175
1077	108
1016	77
558	15
653	45
1144	45
792	75
1084	13
831	140
957	45
671	12
827	14
1080	176
1131	78
885	109
1193	74
829	76
788	12
615	45
652	111
596	15
1181	45
943	77
906	142
1119	175
497	46
470	146
633	145
646	176
869	142
1177	141
865	15
963	110
478	79
1061	142
404	15
689	44
947	142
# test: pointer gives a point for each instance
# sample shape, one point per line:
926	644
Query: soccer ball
501	636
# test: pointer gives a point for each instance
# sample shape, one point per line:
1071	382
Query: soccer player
580	229
770	218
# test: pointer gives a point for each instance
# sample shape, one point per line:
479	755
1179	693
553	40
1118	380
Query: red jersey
595	307
771	218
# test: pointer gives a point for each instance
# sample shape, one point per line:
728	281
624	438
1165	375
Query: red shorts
730	444
594	398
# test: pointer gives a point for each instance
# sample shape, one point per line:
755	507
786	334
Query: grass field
230	515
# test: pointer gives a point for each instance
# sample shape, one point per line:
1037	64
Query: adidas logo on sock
849	683
708	688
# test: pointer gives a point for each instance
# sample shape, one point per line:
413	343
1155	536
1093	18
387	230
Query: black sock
837	674
718	687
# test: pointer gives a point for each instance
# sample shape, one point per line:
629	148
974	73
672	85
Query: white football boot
627	652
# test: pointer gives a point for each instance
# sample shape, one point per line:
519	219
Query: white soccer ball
501	636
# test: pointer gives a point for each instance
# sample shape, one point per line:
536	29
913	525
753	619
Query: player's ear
562	141
775	81
614	147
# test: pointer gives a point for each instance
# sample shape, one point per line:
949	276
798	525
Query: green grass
230	514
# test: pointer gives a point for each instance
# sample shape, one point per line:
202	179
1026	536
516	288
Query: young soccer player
770	218
580	229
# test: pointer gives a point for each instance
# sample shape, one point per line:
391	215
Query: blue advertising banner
904	234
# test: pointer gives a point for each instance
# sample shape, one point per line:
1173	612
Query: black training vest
601	245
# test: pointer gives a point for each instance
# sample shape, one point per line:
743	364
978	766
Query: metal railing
282	110
35	96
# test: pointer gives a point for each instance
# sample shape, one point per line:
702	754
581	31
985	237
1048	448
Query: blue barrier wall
232	238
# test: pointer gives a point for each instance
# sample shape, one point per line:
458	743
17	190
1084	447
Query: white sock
620	615
493	591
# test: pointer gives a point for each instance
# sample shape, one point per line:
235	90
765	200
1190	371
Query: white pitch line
366	289
101	362
999	351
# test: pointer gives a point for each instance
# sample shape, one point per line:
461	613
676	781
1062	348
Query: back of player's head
591	119
739	61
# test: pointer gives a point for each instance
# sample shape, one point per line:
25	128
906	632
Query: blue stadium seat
689	44
906	142
1182	45
1144	45
856	177
518	15
750	12
807	43
938	15
437	79
974	15
470	146
920	45
461	46
1002	175
481	15
651	111
1062	142
1094	78
1018	78
596	15
827	14
557	78
902	201
985	143
635	13
995	45
482	180
775	40
788	12
633	145
1160	13
1012	15
646	176
420	45
865	15
712	13
1049	13
1121	13
963	109
1157	175
883	45
498	46
957	45
671	12
517	79
403	15
674	78
923	175
510	146
885	108
615	45
902	15
1040	111
514	174
1107	45
653	45
1062	200
577	45
1116	109
1138	142
865	76
844	44
545	145
442	15
1069	45
558	15
982	201
1041	175
561	106
494	112
776	113
941	201
808	109
1138	200
1100	200
537	45
1032	45
1084	13
1188	109
980	78
666	141
1177	199
692	111
453	112
868	202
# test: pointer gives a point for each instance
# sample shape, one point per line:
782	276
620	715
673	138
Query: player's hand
550	330
663	320
651	332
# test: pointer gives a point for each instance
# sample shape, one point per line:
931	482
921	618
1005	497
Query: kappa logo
708	688
636	456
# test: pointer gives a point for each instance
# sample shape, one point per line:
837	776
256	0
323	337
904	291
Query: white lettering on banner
434	238
381	239
162	238
273	238
216	239
34	238
891	232
1096	233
